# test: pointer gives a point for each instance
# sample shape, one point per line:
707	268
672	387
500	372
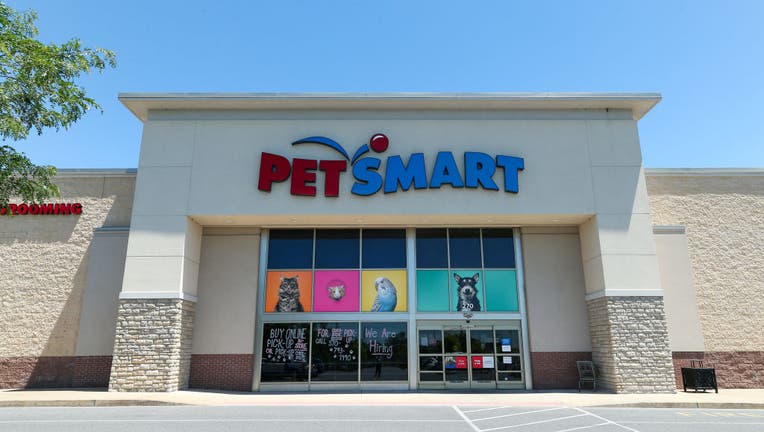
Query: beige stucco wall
679	299
44	263
724	220
106	265
227	292
554	290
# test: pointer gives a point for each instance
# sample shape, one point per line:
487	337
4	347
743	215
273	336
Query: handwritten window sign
285	352
335	351
384	351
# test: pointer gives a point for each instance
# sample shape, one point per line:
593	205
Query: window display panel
501	291
338	249
336	291
335	351
290	249
285	353
432	290
384	249
384	352
467	290
288	291
383	291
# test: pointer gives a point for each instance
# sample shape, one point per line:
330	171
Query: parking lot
442	418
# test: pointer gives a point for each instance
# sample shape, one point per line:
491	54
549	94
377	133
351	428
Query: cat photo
289	296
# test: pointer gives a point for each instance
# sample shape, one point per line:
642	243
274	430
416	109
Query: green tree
38	91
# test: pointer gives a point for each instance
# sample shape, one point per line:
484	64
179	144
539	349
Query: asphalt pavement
379	418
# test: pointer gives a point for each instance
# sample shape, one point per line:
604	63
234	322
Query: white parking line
606	420
486	409
534	423
469	422
520	413
583	427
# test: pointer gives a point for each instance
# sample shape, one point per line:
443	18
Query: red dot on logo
379	143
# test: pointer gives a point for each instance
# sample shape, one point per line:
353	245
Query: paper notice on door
423	341
506	360
487	362
506	348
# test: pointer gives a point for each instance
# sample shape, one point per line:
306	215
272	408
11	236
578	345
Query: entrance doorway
470	356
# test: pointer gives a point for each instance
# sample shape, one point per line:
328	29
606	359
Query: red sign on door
477	362
461	362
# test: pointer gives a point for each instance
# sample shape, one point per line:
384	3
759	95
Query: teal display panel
432	290
501	291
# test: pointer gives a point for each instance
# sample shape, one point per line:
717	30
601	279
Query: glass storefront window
431	249
384	352
290	249
286	353
466	270
384	249
464	248
498	248
343	270
335	351
337	249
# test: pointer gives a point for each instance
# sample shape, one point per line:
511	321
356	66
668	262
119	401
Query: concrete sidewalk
726	398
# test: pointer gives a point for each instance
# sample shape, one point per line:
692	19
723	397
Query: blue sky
706	58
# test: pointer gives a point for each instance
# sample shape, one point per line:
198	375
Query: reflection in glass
498	248
431	363
431	249
455	341
429	376
285	353
481	341
507	341
464	246
290	249
383	249
384	352
337	249
430	342
335	351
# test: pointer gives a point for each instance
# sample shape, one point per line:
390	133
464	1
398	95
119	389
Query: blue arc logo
378	142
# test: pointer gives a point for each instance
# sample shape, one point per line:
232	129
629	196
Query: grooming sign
480	170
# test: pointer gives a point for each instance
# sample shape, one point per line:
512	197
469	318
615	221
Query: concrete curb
85	403
139	402
703	405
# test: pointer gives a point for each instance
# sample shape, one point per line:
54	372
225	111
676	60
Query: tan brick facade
724	222
44	263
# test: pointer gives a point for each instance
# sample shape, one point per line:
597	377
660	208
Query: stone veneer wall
630	344
152	347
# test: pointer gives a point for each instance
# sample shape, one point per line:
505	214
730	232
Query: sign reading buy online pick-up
480	170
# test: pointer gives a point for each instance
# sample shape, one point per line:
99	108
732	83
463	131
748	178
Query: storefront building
304	242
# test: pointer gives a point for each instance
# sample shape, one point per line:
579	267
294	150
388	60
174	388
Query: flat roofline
715	172
141	103
96	172
653	172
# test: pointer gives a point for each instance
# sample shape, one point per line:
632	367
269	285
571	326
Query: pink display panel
336	291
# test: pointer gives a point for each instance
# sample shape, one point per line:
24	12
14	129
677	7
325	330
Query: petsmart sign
480	170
